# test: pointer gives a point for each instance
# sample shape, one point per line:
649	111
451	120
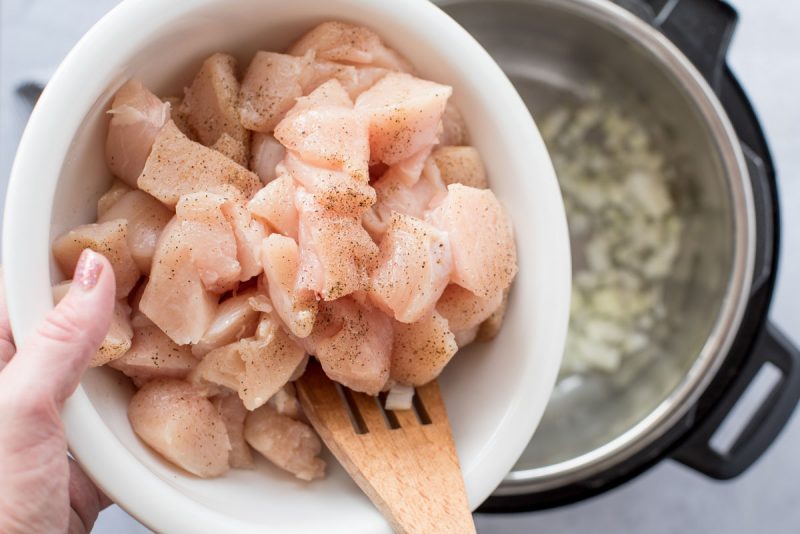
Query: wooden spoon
404	460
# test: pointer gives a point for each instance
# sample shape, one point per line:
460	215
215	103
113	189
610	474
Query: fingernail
87	272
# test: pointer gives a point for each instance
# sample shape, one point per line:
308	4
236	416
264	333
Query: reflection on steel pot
609	421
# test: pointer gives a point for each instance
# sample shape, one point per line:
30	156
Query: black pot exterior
702	29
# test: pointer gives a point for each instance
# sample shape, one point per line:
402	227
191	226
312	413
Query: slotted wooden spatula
405	460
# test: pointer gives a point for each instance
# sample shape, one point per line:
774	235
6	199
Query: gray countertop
35	35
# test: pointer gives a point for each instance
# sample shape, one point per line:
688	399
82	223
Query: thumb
50	364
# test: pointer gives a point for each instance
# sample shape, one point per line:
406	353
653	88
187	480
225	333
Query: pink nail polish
87	272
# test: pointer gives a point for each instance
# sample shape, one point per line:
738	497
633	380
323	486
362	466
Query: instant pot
669	56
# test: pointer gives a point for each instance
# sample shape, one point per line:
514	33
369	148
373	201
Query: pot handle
765	423
702	29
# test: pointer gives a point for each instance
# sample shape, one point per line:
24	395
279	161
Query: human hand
44	491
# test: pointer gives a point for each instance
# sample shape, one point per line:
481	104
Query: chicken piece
324	130
109	239
211	107
461	165
489	328
235	319
353	343
421	350
146	218
275	204
414	267
285	401
175	298
404	115
348	43
117	340
154	355
213	244
354	80
296	307
291	445
248	233
173	418
137	115
178	166
484	253
138	318
336	253
336	191
115	192
178	115
255	367
466	336
454	128
232	149
395	196
233	413
271	85
465	310
265	154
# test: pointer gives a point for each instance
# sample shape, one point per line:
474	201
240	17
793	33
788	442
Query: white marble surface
36	34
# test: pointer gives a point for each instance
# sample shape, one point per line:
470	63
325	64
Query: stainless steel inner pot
554	51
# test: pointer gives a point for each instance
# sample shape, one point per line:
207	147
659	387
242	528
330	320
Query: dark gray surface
36	34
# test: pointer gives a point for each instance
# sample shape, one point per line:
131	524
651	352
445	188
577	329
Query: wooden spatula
405	461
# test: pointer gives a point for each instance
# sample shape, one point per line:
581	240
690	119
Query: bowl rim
71	93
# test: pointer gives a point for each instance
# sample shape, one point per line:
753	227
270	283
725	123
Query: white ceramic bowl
495	392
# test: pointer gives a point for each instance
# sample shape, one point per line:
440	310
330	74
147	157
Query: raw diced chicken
354	80
404	114
137	116
109	239
289	444
353	343
115	192
173	418
491	326
233	413
347	43
271	85
421	350
235	319
210	238
336	252
414	267
484	254
153	355
178	115
465	337
285	402
265	154
232	149
249	233
296	307
408	171
394	196
335	191
178	166
146	218
461	165
465	310
324	130
174	298
454	128
117	340
275	204
400	397
211	107
138	318
255	367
